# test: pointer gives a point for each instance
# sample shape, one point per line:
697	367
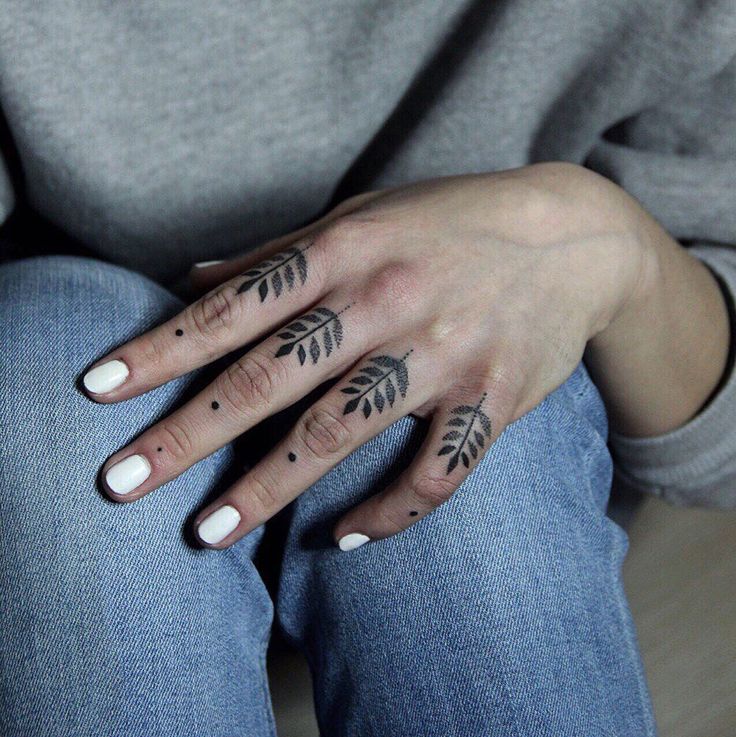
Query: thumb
207	275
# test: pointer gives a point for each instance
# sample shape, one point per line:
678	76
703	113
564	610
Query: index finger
242	309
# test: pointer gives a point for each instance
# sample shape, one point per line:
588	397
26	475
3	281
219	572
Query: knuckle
504	385
324	434
215	313
263	491
439	331
177	438
396	284
343	229
431	490
341	236
250	382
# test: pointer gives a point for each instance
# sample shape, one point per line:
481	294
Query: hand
467	299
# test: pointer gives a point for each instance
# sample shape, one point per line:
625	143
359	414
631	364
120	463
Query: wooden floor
681	579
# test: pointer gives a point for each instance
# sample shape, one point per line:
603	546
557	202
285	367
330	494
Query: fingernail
352	541
205	264
218	525
128	474
105	378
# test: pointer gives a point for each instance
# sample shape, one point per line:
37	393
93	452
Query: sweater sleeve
679	160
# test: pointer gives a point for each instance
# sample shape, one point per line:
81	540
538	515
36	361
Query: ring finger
388	384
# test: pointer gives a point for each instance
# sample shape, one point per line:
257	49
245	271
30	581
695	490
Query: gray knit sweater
165	132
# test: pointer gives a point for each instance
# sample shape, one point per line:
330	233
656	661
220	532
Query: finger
235	313
207	275
459	436
283	368
380	389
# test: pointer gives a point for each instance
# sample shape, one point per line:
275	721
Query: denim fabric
499	615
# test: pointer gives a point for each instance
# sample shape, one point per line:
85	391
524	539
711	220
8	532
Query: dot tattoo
471	427
282	270
158	450
316	332
215	405
179	332
413	513
292	457
383	376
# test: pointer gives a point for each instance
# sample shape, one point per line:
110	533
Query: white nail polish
218	525
352	541
128	474
205	264
105	378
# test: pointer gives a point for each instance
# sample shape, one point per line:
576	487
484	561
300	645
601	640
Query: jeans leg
112	624
501	614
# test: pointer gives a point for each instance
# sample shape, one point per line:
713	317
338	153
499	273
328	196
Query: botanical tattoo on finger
377	384
282	271
471	428
317	333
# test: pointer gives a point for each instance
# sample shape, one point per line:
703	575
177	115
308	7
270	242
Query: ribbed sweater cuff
696	463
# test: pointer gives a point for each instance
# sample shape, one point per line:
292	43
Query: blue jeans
500	614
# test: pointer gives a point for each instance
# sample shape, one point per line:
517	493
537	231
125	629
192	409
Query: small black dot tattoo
179	332
159	449
413	513
215	405
292	457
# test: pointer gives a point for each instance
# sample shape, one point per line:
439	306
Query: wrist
616	253
641	260
664	350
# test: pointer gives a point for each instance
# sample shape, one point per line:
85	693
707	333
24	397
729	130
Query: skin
477	295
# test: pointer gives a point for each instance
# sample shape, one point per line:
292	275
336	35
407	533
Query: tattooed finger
236	312
460	435
283	368
327	432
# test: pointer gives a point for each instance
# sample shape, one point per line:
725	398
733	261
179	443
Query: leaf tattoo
461	442
314	334
282	270
385	377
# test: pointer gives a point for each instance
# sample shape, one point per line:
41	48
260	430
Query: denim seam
304	650
267	703
591	628
233	554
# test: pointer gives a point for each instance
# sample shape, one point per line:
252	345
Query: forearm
661	357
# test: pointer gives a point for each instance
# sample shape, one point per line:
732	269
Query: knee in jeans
50	299
58	315
529	518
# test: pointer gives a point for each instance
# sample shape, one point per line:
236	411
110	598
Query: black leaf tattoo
314	335
373	385
460	443
281	271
